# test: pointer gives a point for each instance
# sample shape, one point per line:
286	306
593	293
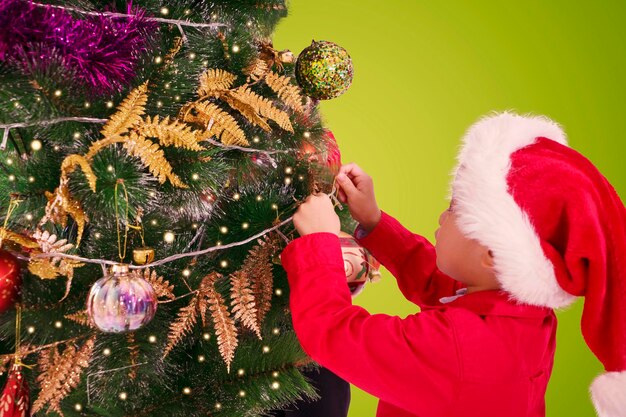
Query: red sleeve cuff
308	251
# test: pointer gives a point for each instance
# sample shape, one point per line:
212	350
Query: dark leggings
334	401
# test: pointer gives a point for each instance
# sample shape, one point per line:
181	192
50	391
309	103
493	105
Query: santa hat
556	228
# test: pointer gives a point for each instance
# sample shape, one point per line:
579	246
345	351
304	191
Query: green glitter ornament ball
324	70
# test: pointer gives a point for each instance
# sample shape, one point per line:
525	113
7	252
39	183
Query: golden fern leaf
128	113
258	265
161	286
170	133
23	241
262	106
257	69
248	112
289	93
225	328
69	163
61	204
133	349
243	302
206	286
81	317
153	158
213	82
220	122
62	374
182	325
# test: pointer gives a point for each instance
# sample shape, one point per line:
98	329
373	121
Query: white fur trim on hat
608	393
488	213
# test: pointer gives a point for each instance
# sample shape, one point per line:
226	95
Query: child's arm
410	258
412	363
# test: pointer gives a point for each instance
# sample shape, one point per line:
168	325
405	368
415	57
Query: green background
426	70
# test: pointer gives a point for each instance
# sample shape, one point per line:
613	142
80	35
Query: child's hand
316	214
357	190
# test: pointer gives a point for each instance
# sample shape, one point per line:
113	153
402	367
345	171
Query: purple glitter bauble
121	302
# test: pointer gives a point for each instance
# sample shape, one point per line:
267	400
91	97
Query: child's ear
486	259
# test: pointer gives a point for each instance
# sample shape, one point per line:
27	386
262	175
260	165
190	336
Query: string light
78	407
31	179
97	235
30	329
187	12
192	55
58	93
58	324
287	180
76	135
218	406
275	374
168	237
235	48
224	263
109	104
153	222
36	145
206	336
177	97
307	134
158	60
218	243
159	103
276	330
245	225
259	198
186	272
194	225
106	352
249	23
167	85
9	161
195	177
256	139
56	147
241	372
288	170
300	177
187	390
164	11
17	104
123	396
224	229
278	292
110	168
236	196
275	385
274	206
11	177
87	104
29	217
152	338
242	393
266	349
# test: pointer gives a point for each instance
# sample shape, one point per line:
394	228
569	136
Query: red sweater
480	355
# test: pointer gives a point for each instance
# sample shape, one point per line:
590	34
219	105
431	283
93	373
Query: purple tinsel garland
100	52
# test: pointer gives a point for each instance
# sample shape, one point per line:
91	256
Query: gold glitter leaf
81	317
224	325
257	69
128	113
289	93
60	205
69	164
248	112
214	82
170	133
162	287
243	302
217	121
258	266
61	373
23	241
183	324
153	158
262	106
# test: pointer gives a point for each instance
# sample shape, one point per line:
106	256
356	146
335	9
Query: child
532	225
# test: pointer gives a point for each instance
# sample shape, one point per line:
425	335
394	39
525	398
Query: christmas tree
153	155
